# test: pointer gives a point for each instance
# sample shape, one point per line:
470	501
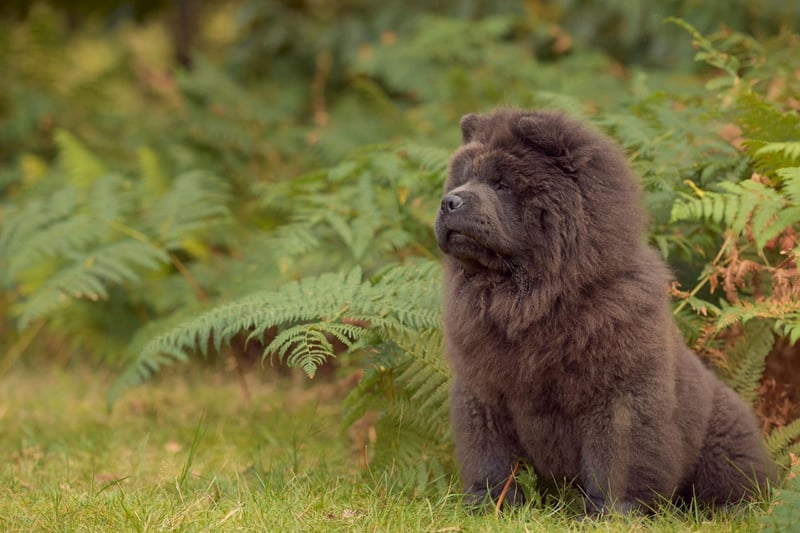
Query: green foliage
756	220
745	206
633	30
393	316
408	376
375	207
81	234
782	443
747	360
785	514
285	193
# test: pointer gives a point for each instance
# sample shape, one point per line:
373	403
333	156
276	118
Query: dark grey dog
559	331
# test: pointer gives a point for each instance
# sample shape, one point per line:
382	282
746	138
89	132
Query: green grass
189	454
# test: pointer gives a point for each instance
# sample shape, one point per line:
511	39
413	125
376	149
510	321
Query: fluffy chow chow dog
559	333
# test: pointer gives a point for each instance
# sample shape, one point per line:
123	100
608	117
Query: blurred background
162	158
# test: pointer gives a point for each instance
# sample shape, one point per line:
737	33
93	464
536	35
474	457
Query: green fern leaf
429	158
81	165
790	183
426	376
90	275
782	440
737	205
749	359
22	223
790	150
415	450
763	121
195	201
326	297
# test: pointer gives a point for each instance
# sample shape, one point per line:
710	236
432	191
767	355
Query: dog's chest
551	442
539	376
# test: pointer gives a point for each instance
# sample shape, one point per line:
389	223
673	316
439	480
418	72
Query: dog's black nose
451	202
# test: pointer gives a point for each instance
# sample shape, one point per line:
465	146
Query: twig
18	348
705	280
505	490
198	290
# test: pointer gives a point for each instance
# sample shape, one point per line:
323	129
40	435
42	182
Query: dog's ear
469	125
553	136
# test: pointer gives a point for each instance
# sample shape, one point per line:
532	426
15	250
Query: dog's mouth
457	243
454	237
470	252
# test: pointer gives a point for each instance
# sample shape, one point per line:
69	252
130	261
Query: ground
189	453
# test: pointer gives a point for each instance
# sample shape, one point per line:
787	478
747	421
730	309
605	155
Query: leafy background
253	184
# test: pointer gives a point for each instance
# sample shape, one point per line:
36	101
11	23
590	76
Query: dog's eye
502	185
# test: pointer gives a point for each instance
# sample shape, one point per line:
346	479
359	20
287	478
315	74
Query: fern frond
89	276
405	296
195	200
781	441
763	121
785	313
112	198
425	376
790	183
749	359
73	233
401	299
293	240
428	158
738	204
415	449
81	165
23	222
330	296
790	150
307	346
326	297
784	458
70	225
707	51
374	384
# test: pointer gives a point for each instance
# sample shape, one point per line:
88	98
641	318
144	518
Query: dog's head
540	193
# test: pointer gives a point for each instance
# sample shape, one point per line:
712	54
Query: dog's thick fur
559	332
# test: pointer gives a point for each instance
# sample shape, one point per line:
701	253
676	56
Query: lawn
189	453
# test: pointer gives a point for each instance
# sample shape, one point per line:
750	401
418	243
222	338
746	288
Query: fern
756	263
195	200
783	441
81	166
789	150
393	316
738	205
367	211
762	121
307	311
424	376
402	382
90	276
95	232
412	450
748	359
